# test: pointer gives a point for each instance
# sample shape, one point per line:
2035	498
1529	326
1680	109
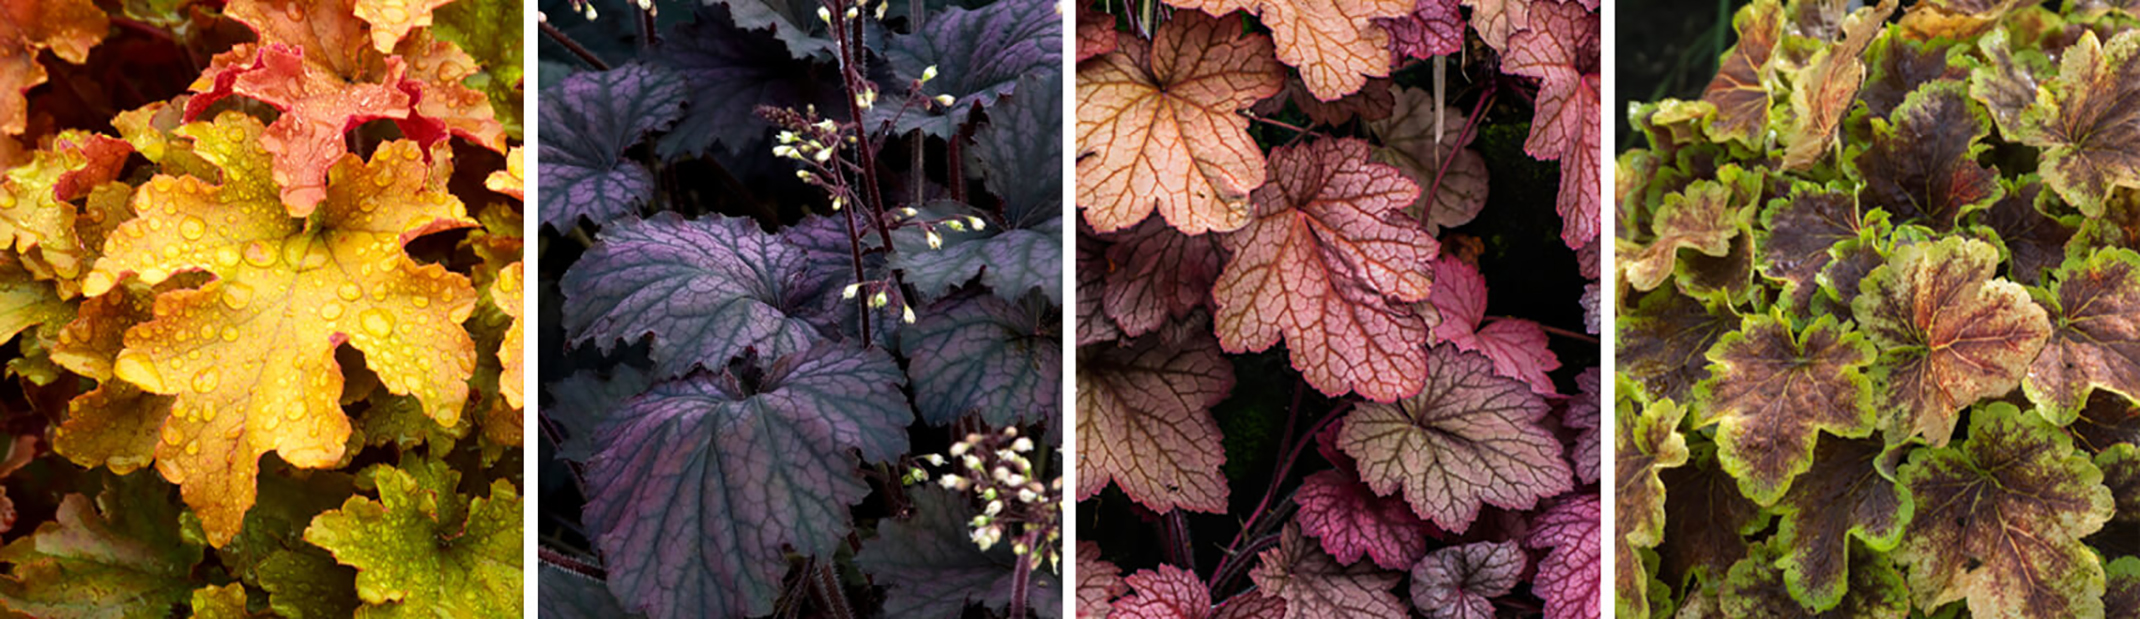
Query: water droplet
258	254
378	322
349	291
171	435
226	256
237	295
193	447
170	252
230	334
207	331
268	422
97	283
205	381
154	274
295	413
155	225
192	228
315	256
136	368
420	301
331	311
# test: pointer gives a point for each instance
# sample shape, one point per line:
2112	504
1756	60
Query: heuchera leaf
125	557
1740	89
1663	338
1469	437
982	356
1948	333
979	55
1559	46
1568	577
67	27
794	21
1797	231
932	568
1095	33
1581	413
569	595
224	602
487	30
1098	581
1517	347
393	19
589	121
2121	597
37	215
1144	419
705	290
2087	122
1010	261
1372	102
1704	218
1093	325
1327	262
1822	92
730	71
1169	592
1335	43
1433	28
280	302
423	548
1018	163
1158	128
2094	307
1843	496
1755	588
2000	517
1648	441
1458	582
1351	521
1922	165
1706	520
1772	392
2035	242
1313	585
1155	274
1901	65
1408	142
506	293
768	461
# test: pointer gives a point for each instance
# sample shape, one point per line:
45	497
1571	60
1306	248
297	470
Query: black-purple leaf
1011	262
825	245
578	402
731	71
587	123
979	54
932	568
701	485
983	356
1021	161
568	595
706	290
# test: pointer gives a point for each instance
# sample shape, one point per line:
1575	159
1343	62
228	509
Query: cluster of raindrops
996	470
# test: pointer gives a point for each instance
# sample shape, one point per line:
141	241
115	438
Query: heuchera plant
291	287
809	263
1311	174
1880	317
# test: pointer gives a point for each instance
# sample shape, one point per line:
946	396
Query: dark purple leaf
932	568
983	356
762	466
1459	582
1921	166
731	71
824	241
580	401
567	595
794	22
589	121
1904	65
1662	338
979	54
1021	161
2035	242
1797	231
707	290
1011	262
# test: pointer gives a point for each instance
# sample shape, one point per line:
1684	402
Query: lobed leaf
2087	122
1314	585
1559	46
1334	43
979	53
67	27
1648	442
591	119
730	70
1144	419
1772	391
1844	496
2094	308
1568	576
932	568
126	555
1098	582
1409	142
1948	334
422	548
983	357
1154	274
1823	91
1922	166
1459	582
1351	521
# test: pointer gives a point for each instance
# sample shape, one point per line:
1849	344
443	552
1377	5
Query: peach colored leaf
393	19
1144	419
1098	582
67	27
1095	32
1559	46
1158	128
1155	274
250	356
1335	43
1329	263
506	293
1433	28
1409	142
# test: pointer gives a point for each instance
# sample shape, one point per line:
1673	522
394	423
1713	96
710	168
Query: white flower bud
879	300
908	317
803	174
852	13
946	100
1022	445
1027	496
836	203
824	154
928	74
824	14
949	482
933	459
881	6
959	449
935	242
976	222
994	507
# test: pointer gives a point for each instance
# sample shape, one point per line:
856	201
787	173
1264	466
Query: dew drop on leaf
331	311
192	228
349	291
236	295
377	322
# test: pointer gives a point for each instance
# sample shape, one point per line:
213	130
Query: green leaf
1772	392
306	583
1949	334
126	557
1756	590
489	30
224	602
1703	218
2000	520
422	548
1648	442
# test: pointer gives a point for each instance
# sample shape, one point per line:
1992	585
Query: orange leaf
506	293
1158	126
35	212
250	355
67	27
393	19
1335	43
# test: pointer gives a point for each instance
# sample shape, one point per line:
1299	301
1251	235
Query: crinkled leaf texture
1336	44
1469	438
2094	307
1314	585
1568	576
1460	582
1154	274
1098	582
764	464
587	124
250	356
1010	261
979	54
933	569
2000	517
423	549
730	71
2087	121
1158	128
1329	263
67	27
125	556
1772	391
1949	334
981	356
1648	442
1350	521
1144	419
1169	592
705	290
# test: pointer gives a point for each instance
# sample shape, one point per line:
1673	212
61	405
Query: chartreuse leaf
764	460
126	556
1773	390
1560	47
1948	333
706	290
37	215
250	356
424	549
1921	165
2087	121
981	356
979	55
1459	582
1158	128
1144	419
1335	43
1469	437
1648	441
220	602
1169	592
1704	217
2000	517
1314	585
1350	521
1326	264
2121	596
1740	89
2094	307
67	27
1756	589
591	119
1844	496
932	568
1568	576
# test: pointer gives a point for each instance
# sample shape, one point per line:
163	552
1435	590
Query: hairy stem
825	586
570	563
1021	580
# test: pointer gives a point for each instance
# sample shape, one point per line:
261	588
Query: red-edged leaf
1949	334
1314	586
1468	438
1772	392
1144	419
1433	28
1170	592
1560	48
1326	262
1351	521
1098	583
1458	582
2094	307
1568	577
1155	273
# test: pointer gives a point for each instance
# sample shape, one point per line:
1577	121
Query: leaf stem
1478	111
825	586
1021	580
570	563
1573	335
573	46
1276	123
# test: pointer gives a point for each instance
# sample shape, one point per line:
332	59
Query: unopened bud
928	73
935	242
946	100
824	14
908	316
879	300
976	222
1022	445
849	291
